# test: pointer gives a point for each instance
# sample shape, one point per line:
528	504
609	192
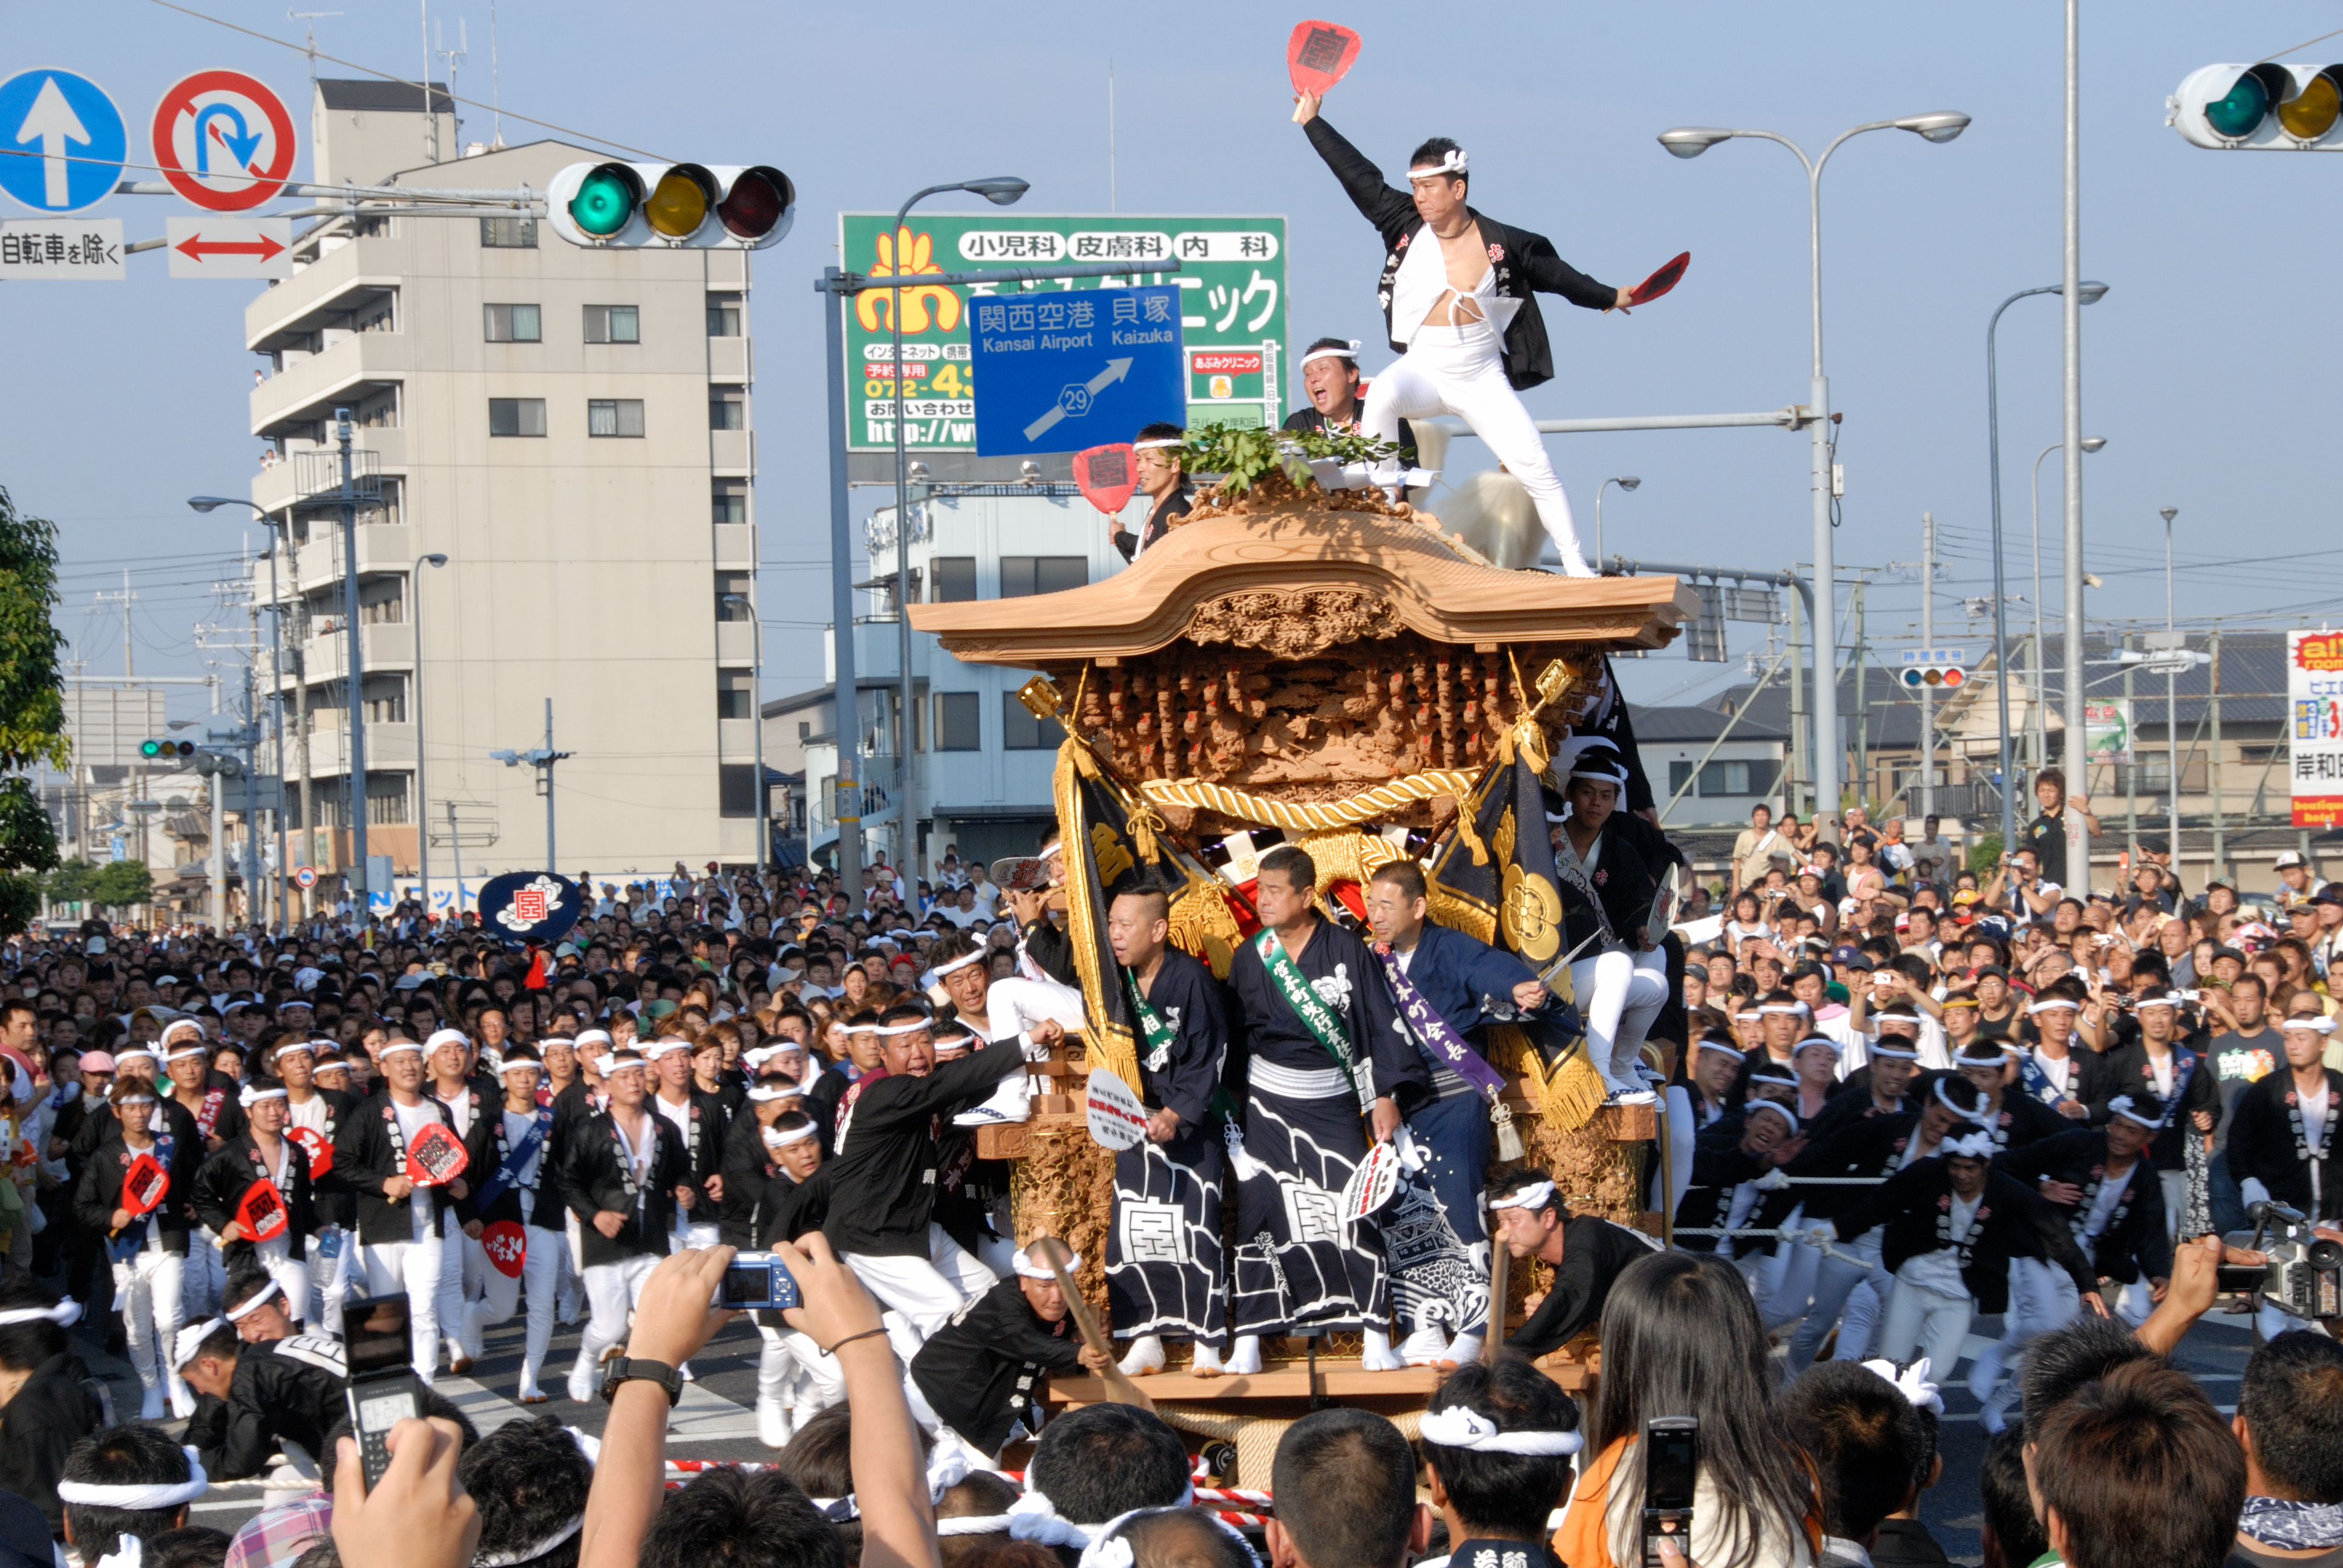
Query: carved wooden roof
1294	585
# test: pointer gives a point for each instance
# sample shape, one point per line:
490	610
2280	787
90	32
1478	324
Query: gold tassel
1572	1094
1145	823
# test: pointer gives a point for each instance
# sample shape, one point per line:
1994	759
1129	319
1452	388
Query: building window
508	233
954	579
516	416
731	500
385	800
1023	576
736	694
805	731
1726	780
382	604
1021	731
723	316
957	724
732	596
515	324
614	417
735	789
614	324
386	698
728	408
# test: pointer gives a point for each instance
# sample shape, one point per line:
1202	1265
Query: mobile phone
379	1351
757	1280
1671	1471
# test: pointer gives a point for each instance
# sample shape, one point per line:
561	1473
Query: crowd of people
1890	1099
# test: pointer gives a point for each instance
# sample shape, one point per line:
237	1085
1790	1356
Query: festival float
1304	663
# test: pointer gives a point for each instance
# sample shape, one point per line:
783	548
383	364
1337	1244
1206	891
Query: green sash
1158	1034
1315	1015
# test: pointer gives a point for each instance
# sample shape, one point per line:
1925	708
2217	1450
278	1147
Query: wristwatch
619	1369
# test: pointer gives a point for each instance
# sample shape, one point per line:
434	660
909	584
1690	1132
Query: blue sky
2207	368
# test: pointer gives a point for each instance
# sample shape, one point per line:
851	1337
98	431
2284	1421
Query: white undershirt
517	1128
412	1121
1940	1270
2160	1073
2102	1207
309	1114
2058	1070
459	1111
2314	1128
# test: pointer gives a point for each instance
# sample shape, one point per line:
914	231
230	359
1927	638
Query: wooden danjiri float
1325	667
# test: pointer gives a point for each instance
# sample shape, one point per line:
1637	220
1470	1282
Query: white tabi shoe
1246	1360
1378	1354
773	1425
1427	1347
1208	1358
1144	1358
1010	1101
1465	1350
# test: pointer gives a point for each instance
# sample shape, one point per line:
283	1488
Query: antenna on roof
496	93
454	58
311	48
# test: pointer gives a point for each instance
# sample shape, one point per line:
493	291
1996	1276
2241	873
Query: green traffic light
2237	113
604	203
150	749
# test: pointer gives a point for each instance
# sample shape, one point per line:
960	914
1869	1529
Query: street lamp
1690	142
757	713
207	503
2041	707
2171	717
422	810
1626	482
2090	294
1001	191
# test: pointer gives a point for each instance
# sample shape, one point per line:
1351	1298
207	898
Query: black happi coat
2263	1142
223	1180
2134	1242
594	1178
989	1365
368	1150
884	1190
1916	1207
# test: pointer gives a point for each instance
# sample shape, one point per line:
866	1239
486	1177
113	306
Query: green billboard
1231	282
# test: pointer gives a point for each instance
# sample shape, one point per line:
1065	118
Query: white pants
1618	995
1860	1319
1789	1280
1918	1318
540	1272
206	1276
462	1277
1461	370
1835	1281
611	1291
291	1273
2041	1297
926	1290
413	1267
146	1287
330	1278
1682	1126
1026	1003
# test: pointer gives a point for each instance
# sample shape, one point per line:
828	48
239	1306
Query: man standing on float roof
1461	311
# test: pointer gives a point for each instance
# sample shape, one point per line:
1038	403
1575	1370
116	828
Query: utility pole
1861	706
218	845
2131	768
1799	765
354	672
2078	745
2213	678
456	849
1927	692
252	899
542	758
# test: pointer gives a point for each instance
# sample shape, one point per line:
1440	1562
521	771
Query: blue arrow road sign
1062	370
61	141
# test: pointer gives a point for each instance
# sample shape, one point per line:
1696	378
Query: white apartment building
981	764
571	429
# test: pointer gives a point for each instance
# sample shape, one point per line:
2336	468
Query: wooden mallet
1054	1255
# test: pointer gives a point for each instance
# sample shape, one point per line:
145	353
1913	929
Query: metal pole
1801	762
456	853
422	796
2078	749
1826	618
1862	705
552	861
219	836
354	677
2000	594
252	900
2131	769
1927	692
845	700
2213	680
277	698
2171	713
764	791
2041	703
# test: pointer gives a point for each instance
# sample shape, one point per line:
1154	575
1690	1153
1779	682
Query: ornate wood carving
1296	622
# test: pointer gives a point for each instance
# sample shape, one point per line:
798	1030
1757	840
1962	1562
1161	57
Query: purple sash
1433	1031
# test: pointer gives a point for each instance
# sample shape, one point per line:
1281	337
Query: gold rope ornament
1565	1096
1383	801
1111	1045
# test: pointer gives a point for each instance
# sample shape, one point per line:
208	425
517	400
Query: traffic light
164	751
1942	677
219	763
2260	108
699	206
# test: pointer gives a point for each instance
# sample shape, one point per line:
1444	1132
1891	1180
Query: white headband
1351	354
136	1055
2314	1025
1027	1268
1457	1427
1914	1384
392	1048
188	1050
1796	1008
251	1095
593	1036
1882	1048
960	962
2158	998
534	1549
1946	1100
64	1315
179	1023
1536	1195
660	1048
447	1037
1778	1108
613	1064
1822	1039
783	1139
913	1028
1452	162
259	1298
507	1063
1159	441
191	1340
1033	1517
1722	1047
1976	1145
2122	1105
2047	1003
142	1497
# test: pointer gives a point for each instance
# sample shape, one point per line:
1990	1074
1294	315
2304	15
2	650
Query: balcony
389	747
735	740
877	779
385	644
732	451
383	548
291	481
736	643
353	369
736	548
876	644
728	360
